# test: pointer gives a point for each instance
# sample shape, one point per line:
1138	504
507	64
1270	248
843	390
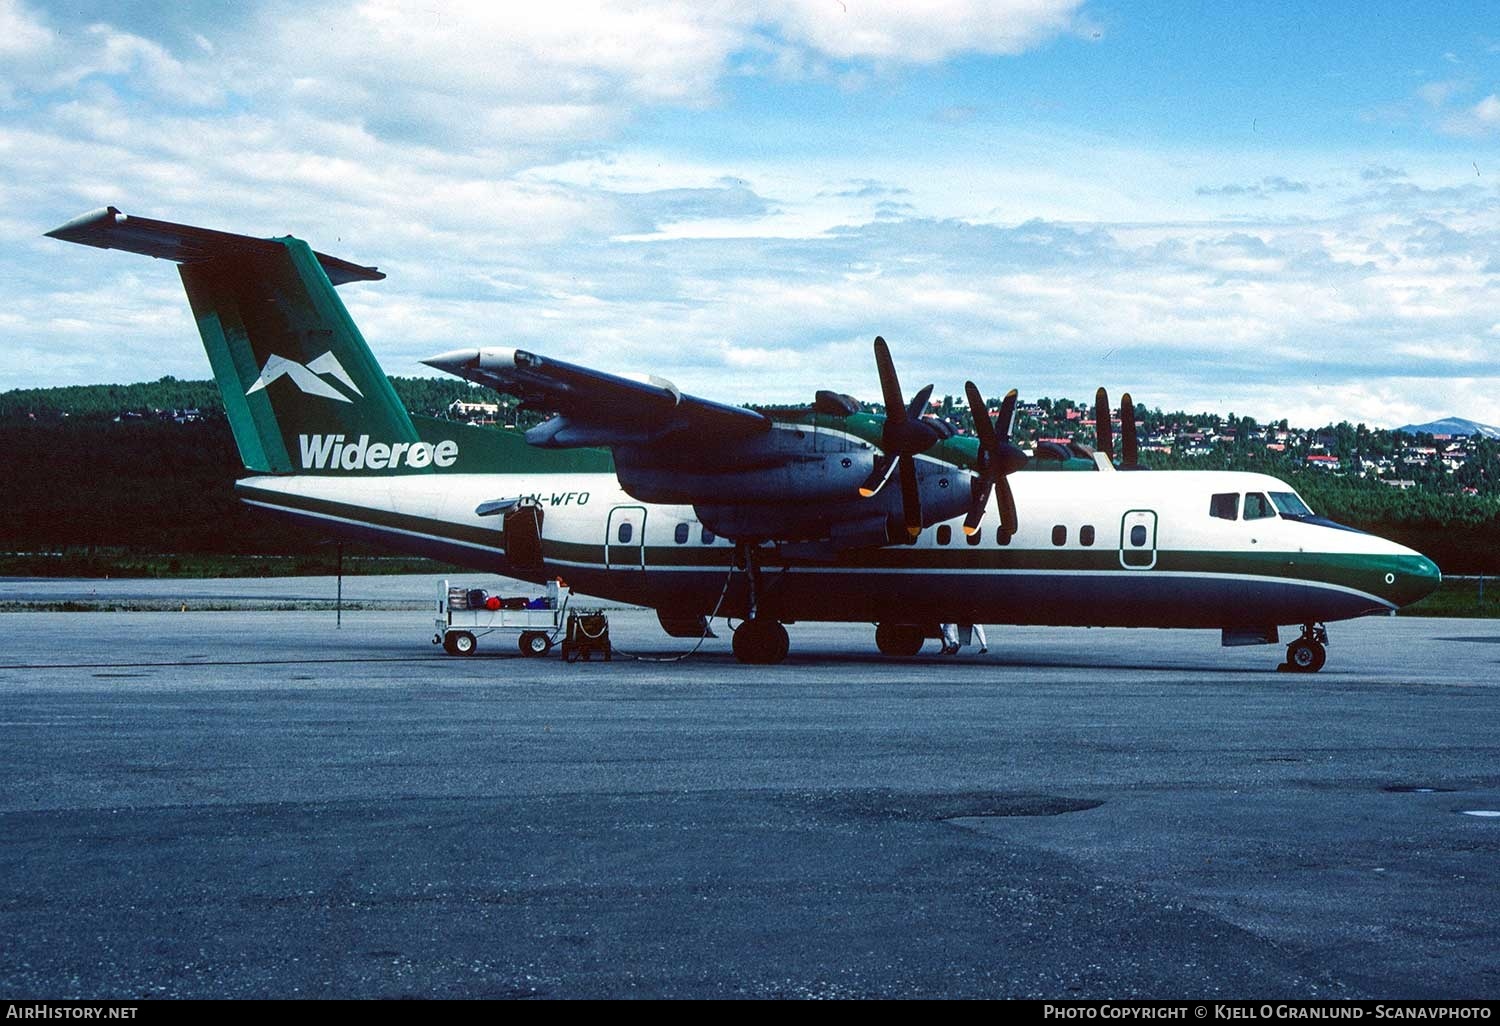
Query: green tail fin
303	391
299	383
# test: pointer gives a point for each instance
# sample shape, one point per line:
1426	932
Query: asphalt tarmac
244	804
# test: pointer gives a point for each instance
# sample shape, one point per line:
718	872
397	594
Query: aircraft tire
1306	656
902	640
761	642
534	643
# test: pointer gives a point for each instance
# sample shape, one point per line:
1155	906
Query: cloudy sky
1272	209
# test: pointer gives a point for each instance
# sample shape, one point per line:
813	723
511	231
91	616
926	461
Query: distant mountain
1451	426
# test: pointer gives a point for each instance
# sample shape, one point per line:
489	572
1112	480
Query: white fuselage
1102	548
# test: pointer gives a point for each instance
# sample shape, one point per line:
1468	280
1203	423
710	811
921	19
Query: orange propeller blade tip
970	531
866	492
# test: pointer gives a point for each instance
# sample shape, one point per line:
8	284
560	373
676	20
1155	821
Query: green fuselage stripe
1358	572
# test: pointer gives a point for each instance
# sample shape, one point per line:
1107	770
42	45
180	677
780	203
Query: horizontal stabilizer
111	229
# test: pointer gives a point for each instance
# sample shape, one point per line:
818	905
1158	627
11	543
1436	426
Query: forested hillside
150	467
160	399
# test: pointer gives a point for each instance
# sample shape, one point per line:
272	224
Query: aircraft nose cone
453	360
1413	579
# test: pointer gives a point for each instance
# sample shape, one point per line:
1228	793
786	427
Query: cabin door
1138	540
625	539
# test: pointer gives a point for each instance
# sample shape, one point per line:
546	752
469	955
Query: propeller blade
1007	419
983	427
911	495
881	473
1102	429
1009	522
1012	458
919	404
982	489
890	385
1129	450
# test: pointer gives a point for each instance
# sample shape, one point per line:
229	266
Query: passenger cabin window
1002	537
1258	507
1138	535
624	532
1059	535
707	537
681	534
1086	534
1225	506
944	534
975	538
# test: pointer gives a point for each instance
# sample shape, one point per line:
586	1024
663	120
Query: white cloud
484	157
1481	119
22	34
1488	110
892	30
1436	94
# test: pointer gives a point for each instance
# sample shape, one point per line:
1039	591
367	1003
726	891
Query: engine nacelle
845	521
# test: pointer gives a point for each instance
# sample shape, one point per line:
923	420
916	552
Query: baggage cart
464	615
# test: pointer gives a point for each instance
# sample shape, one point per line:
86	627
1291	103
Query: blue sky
1279	210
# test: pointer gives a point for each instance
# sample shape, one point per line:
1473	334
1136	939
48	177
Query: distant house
474	413
1323	460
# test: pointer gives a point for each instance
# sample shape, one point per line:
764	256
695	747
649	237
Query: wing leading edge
600	409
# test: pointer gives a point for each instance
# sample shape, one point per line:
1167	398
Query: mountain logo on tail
308	377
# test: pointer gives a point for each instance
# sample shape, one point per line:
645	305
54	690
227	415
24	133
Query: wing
599	409
795	479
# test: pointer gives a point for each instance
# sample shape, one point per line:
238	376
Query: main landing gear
1308	653
759	640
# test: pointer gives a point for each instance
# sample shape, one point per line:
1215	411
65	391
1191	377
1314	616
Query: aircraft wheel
460	643
898	639
534	643
761	642
1306	656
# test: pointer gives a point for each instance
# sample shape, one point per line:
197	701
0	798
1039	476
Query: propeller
1129	449
1103	431
902	437
999	457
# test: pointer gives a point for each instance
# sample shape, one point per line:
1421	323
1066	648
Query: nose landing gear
1308	653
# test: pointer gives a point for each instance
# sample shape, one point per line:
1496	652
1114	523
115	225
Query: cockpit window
1225	506
1291	504
1258	507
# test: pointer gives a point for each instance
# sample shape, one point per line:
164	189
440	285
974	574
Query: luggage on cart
464	615
587	633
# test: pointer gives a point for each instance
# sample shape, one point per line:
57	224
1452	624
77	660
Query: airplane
635	491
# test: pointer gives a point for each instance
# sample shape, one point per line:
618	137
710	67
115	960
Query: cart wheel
460	643
534	643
